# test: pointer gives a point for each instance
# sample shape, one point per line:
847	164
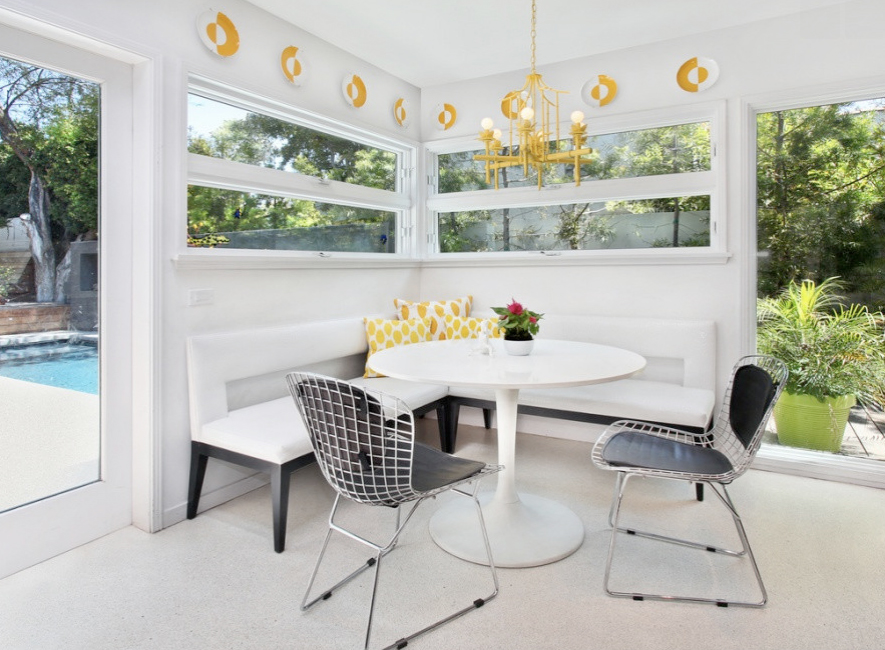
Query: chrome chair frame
735	453
364	444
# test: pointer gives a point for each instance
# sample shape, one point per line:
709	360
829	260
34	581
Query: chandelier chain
534	18
534	142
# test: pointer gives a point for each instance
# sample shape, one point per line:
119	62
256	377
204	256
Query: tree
820	184
48	125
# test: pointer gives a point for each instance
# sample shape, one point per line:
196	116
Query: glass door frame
38	531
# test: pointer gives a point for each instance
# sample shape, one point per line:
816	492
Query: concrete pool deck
49	441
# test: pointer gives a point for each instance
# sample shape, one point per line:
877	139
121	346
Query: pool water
64	365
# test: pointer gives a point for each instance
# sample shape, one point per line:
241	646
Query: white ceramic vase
519	348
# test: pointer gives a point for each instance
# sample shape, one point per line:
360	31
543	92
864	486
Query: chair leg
725	498
699	491
195	482
279	490
487	418
381	552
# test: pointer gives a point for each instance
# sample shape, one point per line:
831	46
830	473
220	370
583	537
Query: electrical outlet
197	297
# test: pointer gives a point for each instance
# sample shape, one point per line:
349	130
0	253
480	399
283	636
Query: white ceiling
431	42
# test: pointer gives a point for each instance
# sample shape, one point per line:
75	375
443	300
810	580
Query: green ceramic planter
805	421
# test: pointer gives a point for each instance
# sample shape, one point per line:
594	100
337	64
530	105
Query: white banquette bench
241	411
677	386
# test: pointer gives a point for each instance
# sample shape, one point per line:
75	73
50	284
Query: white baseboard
178	513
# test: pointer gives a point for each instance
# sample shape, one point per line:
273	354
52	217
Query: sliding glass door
65	437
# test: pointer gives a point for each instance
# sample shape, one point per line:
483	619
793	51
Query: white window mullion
215	172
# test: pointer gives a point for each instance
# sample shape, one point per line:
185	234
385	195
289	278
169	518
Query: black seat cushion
432	468
634	449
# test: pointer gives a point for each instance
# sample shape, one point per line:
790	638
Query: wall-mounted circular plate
354	89
697	74
401	112
218	33
446	116
599	90
293	65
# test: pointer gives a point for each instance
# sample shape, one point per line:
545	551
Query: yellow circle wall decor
511	105
446	116
218	33
292	64
354	89
600	90
697	74
401	112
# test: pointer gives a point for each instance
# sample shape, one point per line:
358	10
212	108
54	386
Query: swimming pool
62	364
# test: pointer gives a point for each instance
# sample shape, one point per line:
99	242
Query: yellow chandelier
533	112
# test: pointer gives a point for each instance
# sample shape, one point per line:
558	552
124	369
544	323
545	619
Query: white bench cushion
628	398
272	431
413	393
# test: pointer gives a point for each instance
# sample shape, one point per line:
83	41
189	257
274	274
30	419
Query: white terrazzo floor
215	582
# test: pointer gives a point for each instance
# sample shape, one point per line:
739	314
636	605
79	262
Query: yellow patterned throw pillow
382	334
458	327
435	310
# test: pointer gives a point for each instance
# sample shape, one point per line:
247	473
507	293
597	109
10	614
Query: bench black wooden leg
442	422
279	492
487	418
195	483
699	491
447	439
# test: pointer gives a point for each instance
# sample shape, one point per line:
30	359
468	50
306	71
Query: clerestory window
648	187
264	177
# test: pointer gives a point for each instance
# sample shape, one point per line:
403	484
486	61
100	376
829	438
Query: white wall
831	47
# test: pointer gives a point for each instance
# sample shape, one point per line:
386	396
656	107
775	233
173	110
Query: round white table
524	530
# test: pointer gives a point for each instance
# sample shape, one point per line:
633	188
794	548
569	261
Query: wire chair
714	458
364	444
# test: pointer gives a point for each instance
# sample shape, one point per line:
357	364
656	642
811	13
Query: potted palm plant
835	355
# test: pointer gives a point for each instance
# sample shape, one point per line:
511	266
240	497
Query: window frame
226	174
712	183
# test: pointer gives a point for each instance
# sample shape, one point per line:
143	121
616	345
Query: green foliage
14	180
829	349
207	241
820	180
7	282
70	157
49	128
212	210
271	142
676	149
454	228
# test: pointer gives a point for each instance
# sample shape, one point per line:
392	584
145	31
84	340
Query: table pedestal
524	530
531	532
